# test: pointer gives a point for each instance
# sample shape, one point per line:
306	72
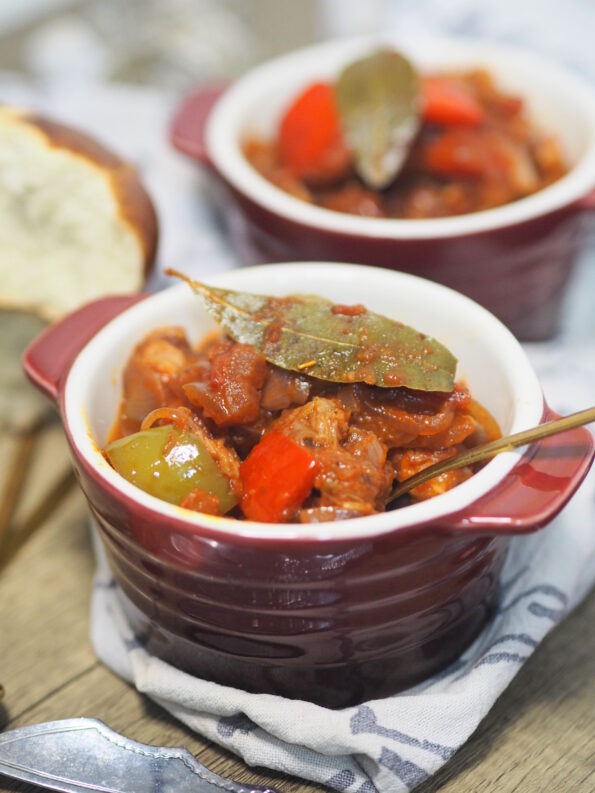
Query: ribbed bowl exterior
336	613
333	623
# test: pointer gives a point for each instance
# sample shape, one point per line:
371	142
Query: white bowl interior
556	101
491	362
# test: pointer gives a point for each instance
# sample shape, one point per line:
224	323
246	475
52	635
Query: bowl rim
527	413
222	143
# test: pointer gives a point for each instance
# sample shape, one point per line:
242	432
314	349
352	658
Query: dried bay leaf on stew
340	344
379	99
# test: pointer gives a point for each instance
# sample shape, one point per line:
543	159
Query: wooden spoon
487	450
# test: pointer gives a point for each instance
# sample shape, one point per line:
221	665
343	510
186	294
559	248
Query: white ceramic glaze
491	362
556	101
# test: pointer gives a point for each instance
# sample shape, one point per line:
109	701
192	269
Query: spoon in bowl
488	450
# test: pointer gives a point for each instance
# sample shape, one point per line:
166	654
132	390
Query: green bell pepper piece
170	473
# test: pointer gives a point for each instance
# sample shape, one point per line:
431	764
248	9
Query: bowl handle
587	202
536	489
187	131
47	359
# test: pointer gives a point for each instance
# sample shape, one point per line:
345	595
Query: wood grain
538	737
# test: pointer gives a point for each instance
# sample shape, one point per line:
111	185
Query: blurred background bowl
515	260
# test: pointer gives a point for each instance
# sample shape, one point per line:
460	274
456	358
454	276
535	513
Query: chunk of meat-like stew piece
412	461
226	458
320	422
283	389
354	476
265	158
352	473
355	199
150	375
232	393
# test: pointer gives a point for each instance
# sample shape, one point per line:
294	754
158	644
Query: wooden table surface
540	735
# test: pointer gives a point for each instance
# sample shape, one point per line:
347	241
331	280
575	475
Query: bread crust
135	206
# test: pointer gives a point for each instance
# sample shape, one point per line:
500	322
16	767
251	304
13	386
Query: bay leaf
379	99
315	337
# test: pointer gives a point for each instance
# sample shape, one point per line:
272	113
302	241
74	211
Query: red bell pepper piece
309	129
459	152
276	476
447	103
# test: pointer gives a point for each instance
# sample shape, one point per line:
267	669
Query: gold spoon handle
487	450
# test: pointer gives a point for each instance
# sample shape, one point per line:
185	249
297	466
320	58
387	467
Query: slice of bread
75	224
75	221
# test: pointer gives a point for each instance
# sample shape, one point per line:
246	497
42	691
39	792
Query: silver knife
85	755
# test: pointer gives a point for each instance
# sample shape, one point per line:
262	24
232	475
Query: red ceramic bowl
515	260
339	612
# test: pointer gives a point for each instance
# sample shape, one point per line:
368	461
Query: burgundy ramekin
515	260
335	613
